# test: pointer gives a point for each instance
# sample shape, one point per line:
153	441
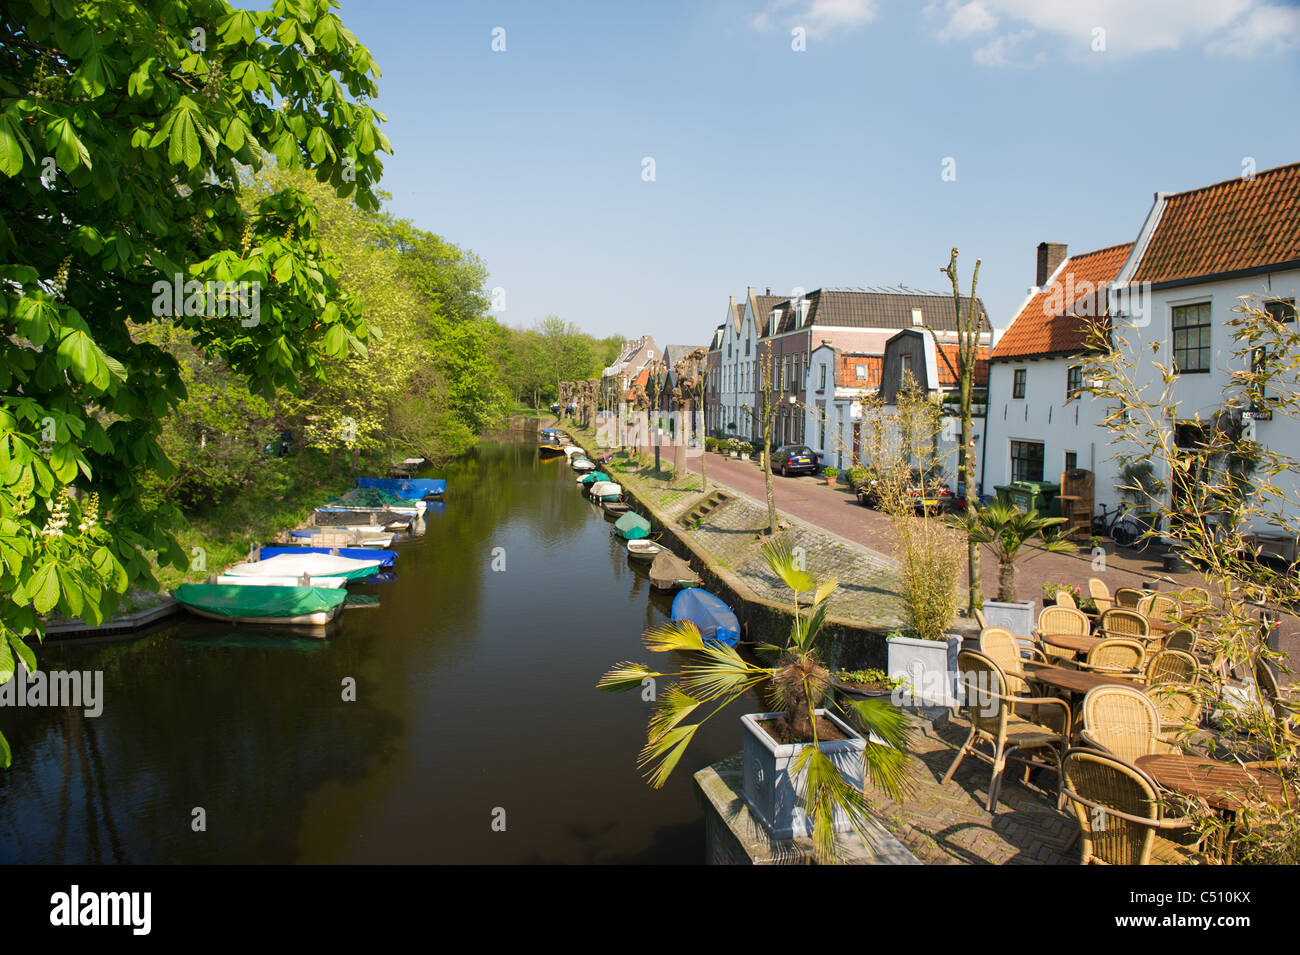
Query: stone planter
1018	618
771	789
930	667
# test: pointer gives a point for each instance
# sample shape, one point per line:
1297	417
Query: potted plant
873	684
801	759
1008	530
830	474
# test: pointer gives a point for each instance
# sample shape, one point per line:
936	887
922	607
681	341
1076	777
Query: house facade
855	320
1198	254
1040	422
837	383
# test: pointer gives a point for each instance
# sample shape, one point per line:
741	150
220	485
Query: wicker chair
1118	622
1285	709
1119	812
1121	721
1007	652
979	618
1100	594
1064	620
1172	666
1115	655
1065	599
1128	597
1162	608
995	718
1184	639
1179	706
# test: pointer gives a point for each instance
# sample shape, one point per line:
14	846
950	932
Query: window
917	317
1073	382
861	372
1018	383
746	347
1281	310
904	368
821	427
1071	460
1191	329
1026	461
821	378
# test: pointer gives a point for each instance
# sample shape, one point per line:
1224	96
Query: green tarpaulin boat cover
369	497
632	526
594	476
226	601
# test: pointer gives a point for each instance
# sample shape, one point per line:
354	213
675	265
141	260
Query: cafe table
1220	783
1072	681
1070	641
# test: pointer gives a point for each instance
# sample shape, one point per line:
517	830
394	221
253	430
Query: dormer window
917	318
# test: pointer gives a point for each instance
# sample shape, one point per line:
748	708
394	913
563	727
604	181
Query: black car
794	459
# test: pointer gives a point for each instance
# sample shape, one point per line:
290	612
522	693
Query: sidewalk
835	509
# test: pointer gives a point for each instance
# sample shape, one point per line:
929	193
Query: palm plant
1008	530
715	676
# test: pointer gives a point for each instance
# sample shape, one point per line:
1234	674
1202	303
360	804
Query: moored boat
582	464
278	606
668	571
643	549
587	480
605	491
410	489
709	613
313	565
385	557
304	581
550	450
632	526
616	508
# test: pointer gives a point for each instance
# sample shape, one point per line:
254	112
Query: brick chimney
1050	255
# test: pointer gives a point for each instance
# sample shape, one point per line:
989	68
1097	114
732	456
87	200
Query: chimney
1050	255
733	303
750	291
769	291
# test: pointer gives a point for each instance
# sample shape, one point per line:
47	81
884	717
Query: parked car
794	459
928	496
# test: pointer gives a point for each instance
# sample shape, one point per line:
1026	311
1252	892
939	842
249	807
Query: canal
474	695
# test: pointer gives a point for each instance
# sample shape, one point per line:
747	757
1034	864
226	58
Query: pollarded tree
127	132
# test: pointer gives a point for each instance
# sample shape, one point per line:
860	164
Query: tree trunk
1007	581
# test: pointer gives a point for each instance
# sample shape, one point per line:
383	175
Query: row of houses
1167	295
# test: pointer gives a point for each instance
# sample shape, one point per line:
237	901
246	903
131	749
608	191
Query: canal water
475	703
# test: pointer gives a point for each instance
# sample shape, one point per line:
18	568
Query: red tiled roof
1229	226
1056	320
848	377
948	379
642	378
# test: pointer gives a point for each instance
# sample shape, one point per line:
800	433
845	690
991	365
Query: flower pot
771	787
1016	617
930	667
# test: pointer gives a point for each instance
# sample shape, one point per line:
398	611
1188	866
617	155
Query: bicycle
1122	525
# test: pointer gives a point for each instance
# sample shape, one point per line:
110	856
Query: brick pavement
811	500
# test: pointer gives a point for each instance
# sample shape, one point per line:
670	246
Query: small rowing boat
643	549
668	572
632	526
384	557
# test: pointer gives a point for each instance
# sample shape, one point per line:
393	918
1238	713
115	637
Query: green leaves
673	635
69	151
79	353
12	145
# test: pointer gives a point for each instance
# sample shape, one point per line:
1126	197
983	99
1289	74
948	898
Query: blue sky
782	168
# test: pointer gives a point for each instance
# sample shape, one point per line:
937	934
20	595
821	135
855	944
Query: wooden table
1072	681
1218	782
1070	641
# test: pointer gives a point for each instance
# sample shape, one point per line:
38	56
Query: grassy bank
226	531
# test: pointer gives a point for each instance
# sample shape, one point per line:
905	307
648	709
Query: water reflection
473	693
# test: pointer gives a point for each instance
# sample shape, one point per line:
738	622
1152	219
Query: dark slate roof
763	305
873	307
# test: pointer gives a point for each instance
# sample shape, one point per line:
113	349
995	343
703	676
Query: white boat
413	509
643	549
232	580
313	565
582	465
571	449
606	491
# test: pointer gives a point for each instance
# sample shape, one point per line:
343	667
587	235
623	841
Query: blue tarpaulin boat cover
709	613
410	489
385	557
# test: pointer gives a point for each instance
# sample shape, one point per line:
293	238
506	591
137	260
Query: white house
1039	422
1198	253
837	383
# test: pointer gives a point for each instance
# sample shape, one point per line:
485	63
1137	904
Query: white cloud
818	17
1001	51
1222	27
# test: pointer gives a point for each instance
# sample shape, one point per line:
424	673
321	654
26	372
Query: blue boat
714	618
385	557
409	489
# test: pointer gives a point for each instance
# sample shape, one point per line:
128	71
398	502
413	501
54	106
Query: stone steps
704	508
